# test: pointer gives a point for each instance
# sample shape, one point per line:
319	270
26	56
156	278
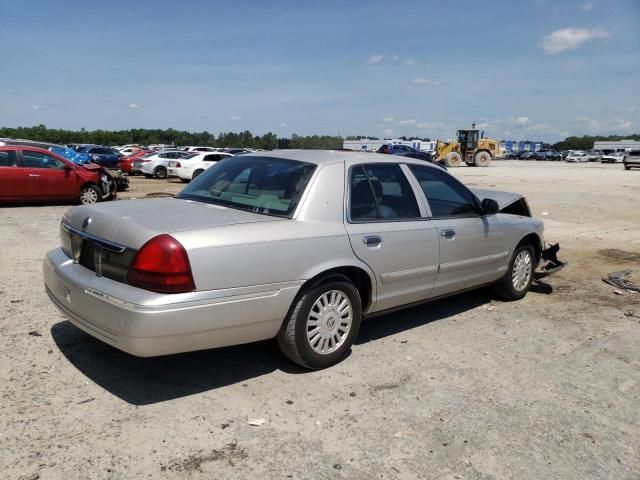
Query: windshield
270	186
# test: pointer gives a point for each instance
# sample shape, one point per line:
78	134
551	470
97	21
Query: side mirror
490	206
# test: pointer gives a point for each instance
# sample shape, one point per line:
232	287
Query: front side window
446	196
270	186
40	160
381	192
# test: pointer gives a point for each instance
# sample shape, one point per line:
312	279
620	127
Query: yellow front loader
471	149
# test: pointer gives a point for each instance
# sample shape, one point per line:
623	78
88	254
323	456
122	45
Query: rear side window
446	196
8	159
381	192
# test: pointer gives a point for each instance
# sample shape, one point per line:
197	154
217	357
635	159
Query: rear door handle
448	233
372	240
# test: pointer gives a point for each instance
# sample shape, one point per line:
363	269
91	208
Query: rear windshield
270	186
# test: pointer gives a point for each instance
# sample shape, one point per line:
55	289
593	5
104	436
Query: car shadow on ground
382	326
145	381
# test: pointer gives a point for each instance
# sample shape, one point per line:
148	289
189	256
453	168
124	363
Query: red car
127	162
31	174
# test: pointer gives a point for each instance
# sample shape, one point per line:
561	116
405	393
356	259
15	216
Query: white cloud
570	38
408	61
395	57
406	122
375	59
235	117
538	127
522	121
388	119
506	133
587	7
283	124
614	125
133	105
425	81
35	107
388	131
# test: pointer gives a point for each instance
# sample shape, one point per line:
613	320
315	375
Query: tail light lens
161	265
178	165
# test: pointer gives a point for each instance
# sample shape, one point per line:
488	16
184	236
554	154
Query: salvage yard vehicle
471	147
32	174
296	245
631	160
577	157
155	165
188	168
612	157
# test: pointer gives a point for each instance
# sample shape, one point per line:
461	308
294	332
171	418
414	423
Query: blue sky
520	69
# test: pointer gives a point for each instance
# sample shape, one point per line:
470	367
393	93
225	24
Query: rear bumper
149	324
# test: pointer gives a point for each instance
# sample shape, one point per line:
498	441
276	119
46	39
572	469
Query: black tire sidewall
511	292
311	358
95	189
160	169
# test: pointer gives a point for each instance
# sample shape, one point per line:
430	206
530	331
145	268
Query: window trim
419	203
478	209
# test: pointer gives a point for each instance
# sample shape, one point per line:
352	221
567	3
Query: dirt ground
463	388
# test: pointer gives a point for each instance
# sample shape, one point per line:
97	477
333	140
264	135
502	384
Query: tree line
586	142
140	136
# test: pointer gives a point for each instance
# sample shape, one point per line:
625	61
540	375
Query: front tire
89	194
453	159
515	283
322	324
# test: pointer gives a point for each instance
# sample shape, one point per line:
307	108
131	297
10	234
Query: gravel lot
467	387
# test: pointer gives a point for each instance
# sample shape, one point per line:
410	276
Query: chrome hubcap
88	195
329	322
521	270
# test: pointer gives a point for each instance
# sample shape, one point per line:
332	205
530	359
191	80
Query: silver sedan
296	245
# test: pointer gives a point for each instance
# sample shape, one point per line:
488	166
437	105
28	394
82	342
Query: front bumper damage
549	263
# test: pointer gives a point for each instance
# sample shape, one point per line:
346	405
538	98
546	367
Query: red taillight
161	265
177	164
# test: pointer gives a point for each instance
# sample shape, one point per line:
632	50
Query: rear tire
89	194
453	159
515	283
482	159
322	324
196	173
160	172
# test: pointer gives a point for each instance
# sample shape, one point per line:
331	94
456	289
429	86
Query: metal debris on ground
257	422
35	333
619	280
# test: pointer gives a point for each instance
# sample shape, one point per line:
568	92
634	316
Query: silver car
296	245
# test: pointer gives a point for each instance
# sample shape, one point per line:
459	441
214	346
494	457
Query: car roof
325	157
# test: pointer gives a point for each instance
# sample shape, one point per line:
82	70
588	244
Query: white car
200	149
156	165
613	157
577	157
189	168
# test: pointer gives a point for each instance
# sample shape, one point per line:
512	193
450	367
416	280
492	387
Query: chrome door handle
34	175
372	240
448	233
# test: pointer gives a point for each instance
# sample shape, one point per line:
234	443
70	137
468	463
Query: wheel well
482	150
88	184
533	240
358	276
159	167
